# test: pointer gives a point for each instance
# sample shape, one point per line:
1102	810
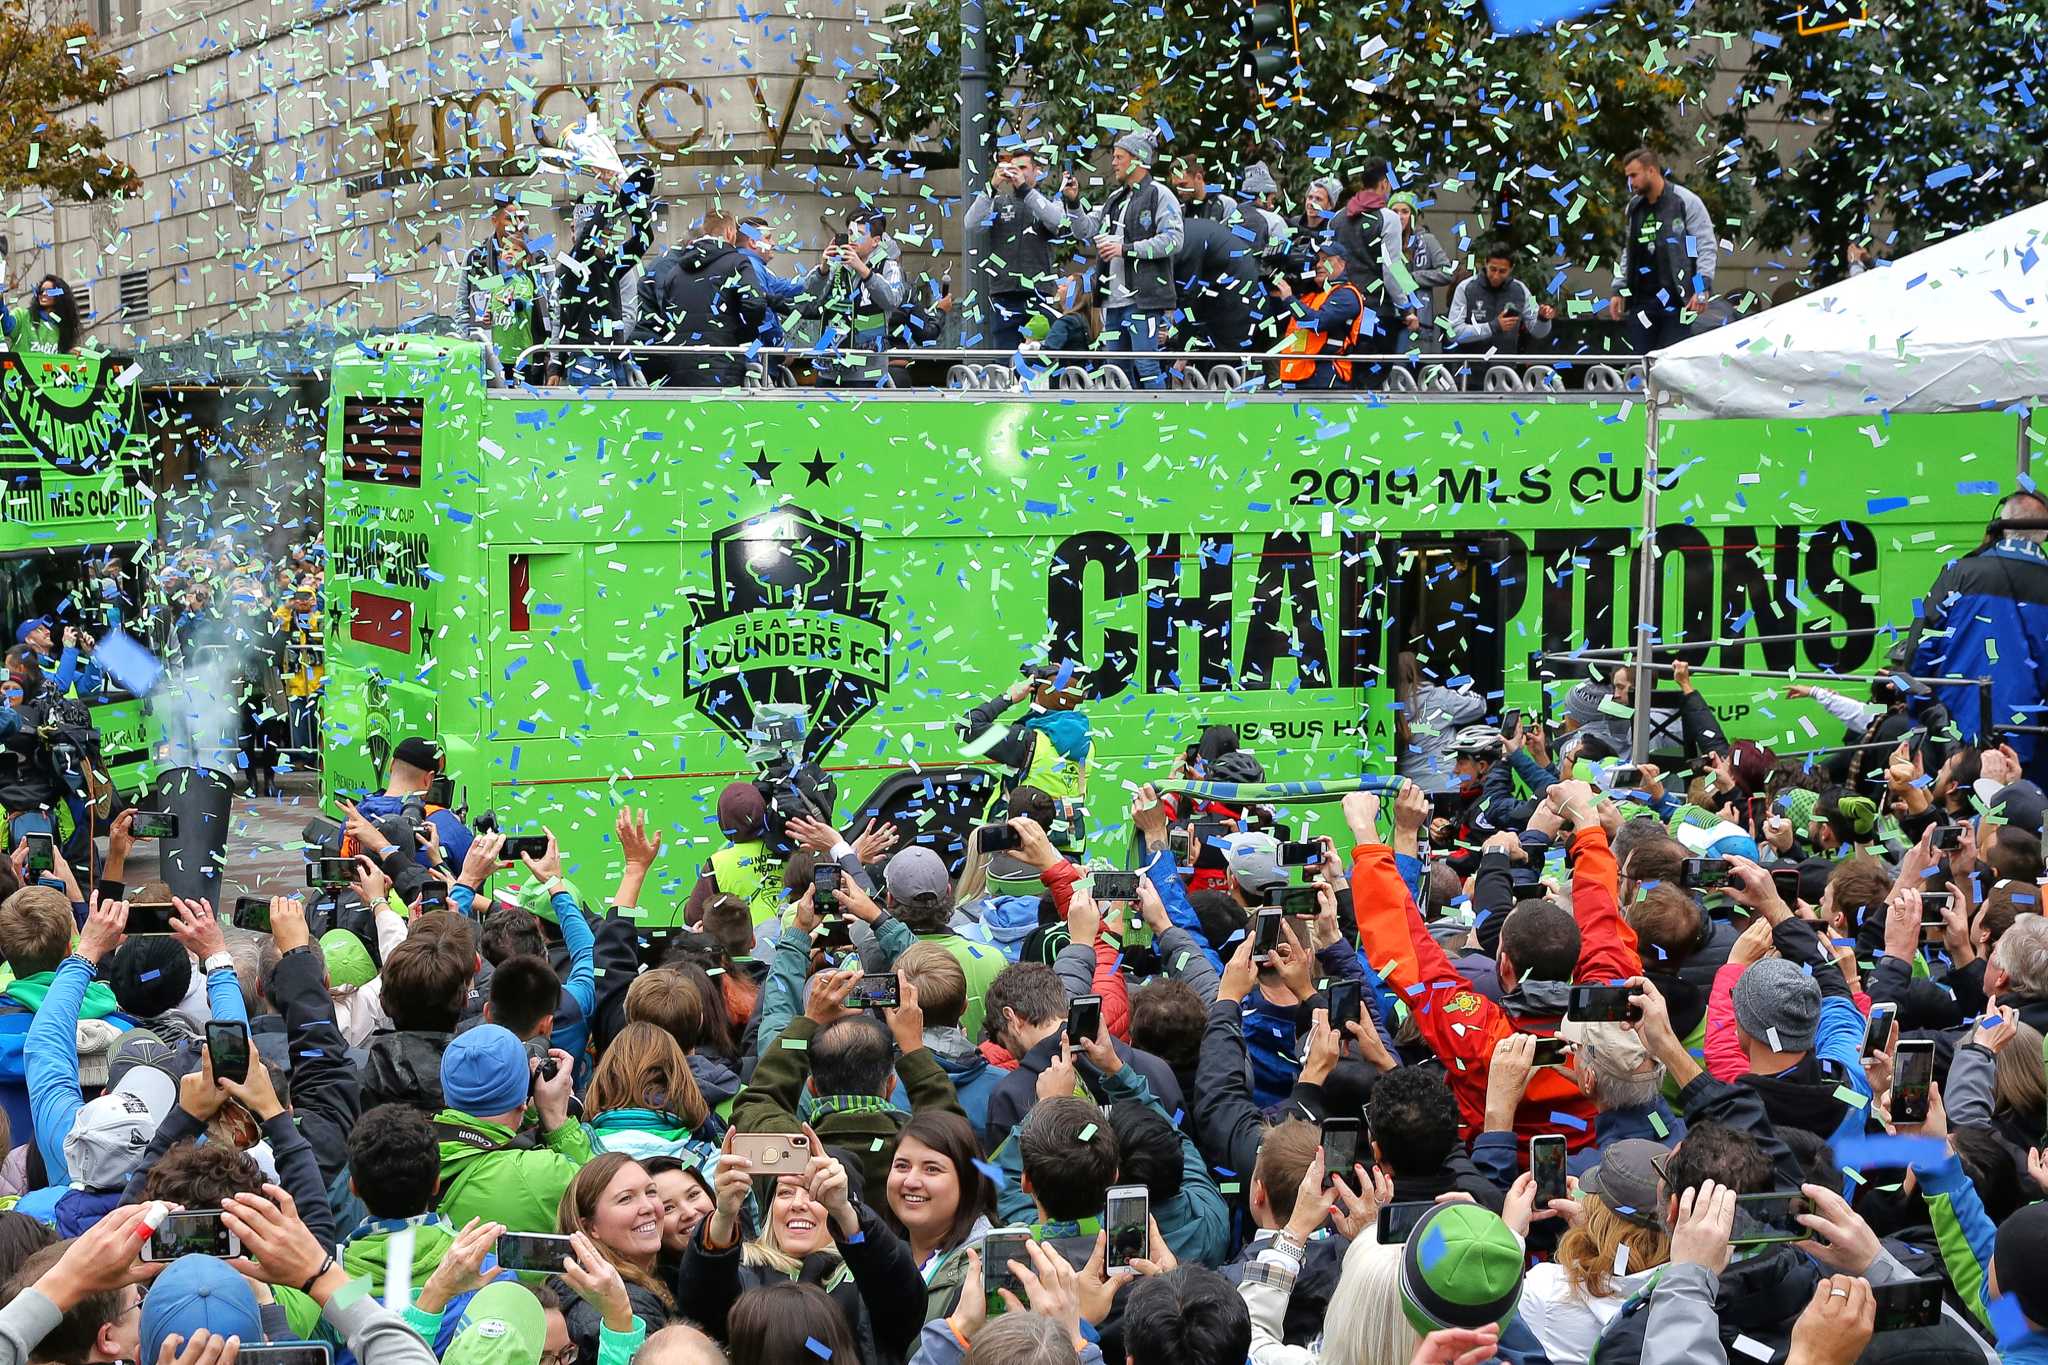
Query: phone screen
1601	1004
195	1232
151	917
1879	1031
1084	1019
1340	1148
287	1353
1761	1219
1511	722
1114	886
1398	1220
228	1045
1912	1074
1300	853
1266	934
997	1251
252	913
997	838
537	1251
1551	1052
1546	1163
42	855
879	990
1124	1219
1905	1304
1705	874
154	824
1347	1003
334	872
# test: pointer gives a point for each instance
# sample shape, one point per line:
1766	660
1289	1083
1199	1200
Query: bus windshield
95	587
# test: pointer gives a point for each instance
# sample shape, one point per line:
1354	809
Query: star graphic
817	467
763	468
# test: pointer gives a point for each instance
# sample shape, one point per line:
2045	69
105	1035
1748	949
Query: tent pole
1646	577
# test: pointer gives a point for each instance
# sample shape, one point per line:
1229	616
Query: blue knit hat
199	1293
485	1071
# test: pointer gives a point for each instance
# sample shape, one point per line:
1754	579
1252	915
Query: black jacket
584	1320
404	1068
709	297
1228	1125
327	1094
1759	1298
608	244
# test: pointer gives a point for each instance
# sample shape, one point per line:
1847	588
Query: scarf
31	991
815	1106
1068	731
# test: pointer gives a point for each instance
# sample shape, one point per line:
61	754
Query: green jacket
505	1177
982	962
865	1125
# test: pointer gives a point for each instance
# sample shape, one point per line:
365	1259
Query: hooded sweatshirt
511	1178
404	1068
367	1251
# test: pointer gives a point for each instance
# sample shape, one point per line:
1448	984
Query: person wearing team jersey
1051	749
49	324
745	867
505	290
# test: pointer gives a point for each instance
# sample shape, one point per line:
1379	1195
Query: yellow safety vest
1058	777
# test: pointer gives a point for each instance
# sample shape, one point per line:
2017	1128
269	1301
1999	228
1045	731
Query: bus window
1451	598
96	587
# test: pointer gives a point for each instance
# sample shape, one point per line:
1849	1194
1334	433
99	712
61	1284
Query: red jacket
1462	1026
1059	879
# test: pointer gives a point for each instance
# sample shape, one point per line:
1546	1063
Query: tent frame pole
1646	572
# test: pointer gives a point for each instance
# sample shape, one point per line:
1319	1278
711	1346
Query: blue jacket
1987	616
974	1079
54	1096
454	835
781	295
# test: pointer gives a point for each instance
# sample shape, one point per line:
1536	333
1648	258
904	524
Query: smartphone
1177	846
1398	1220
288	1353
1625	777
1912	1074
1905	1304
1528	891
1932	904
1300	853
42	853
251	912
1511	722
1546	1163
1084	1019
1947	839
1347	1005
998	1249
1878	1032
545	1252
998	838
825	884
1213	831
1114	886
1266	933
1295	900
154	824
519	846
878	991
773	1153
1551	1052
1705	874
1773	1216
333	872
1601	1005
433	896
195	1232
228	1044
1786	880
1340	1149
151	917
1125	1217
1446	806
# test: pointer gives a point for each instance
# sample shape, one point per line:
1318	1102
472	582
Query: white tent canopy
1958	327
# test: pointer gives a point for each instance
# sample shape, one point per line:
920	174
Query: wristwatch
216	962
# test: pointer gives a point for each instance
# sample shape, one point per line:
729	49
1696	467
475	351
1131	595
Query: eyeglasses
565	1356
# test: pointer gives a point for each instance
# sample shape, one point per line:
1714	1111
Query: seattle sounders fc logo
786	623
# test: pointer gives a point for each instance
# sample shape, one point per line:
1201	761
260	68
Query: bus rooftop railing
770	369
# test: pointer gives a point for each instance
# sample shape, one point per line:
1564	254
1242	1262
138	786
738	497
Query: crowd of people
1546	1050
1169	261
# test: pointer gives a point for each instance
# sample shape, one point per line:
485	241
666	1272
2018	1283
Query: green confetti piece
1087	1134
797	1044
1227	1187
1658	1126
1850	1097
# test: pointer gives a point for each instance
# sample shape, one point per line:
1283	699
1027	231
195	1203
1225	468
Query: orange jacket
1458	1023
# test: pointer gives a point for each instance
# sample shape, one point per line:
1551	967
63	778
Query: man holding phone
1543	949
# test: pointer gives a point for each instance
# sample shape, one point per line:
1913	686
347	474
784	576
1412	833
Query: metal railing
985	370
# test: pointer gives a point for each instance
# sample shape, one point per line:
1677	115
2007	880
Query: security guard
1051	749
745	867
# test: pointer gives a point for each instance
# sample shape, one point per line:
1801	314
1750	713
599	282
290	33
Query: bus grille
380	440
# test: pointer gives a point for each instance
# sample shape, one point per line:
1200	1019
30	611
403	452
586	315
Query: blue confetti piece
1877	506
1571	1121
1530	16
582	676
993	1172
1045	509
817	1348
151	976
1948	174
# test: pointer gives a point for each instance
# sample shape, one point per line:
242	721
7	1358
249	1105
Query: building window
134	295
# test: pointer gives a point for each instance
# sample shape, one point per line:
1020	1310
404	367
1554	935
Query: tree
1931	117
47	66
1534	126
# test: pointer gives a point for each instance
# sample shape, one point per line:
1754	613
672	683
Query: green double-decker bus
587	596
75	519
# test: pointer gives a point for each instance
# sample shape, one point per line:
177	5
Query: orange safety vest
1311	342
350	847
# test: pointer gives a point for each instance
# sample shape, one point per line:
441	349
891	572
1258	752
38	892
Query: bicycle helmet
1477	741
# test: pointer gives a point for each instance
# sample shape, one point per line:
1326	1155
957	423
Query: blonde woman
1614	1248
